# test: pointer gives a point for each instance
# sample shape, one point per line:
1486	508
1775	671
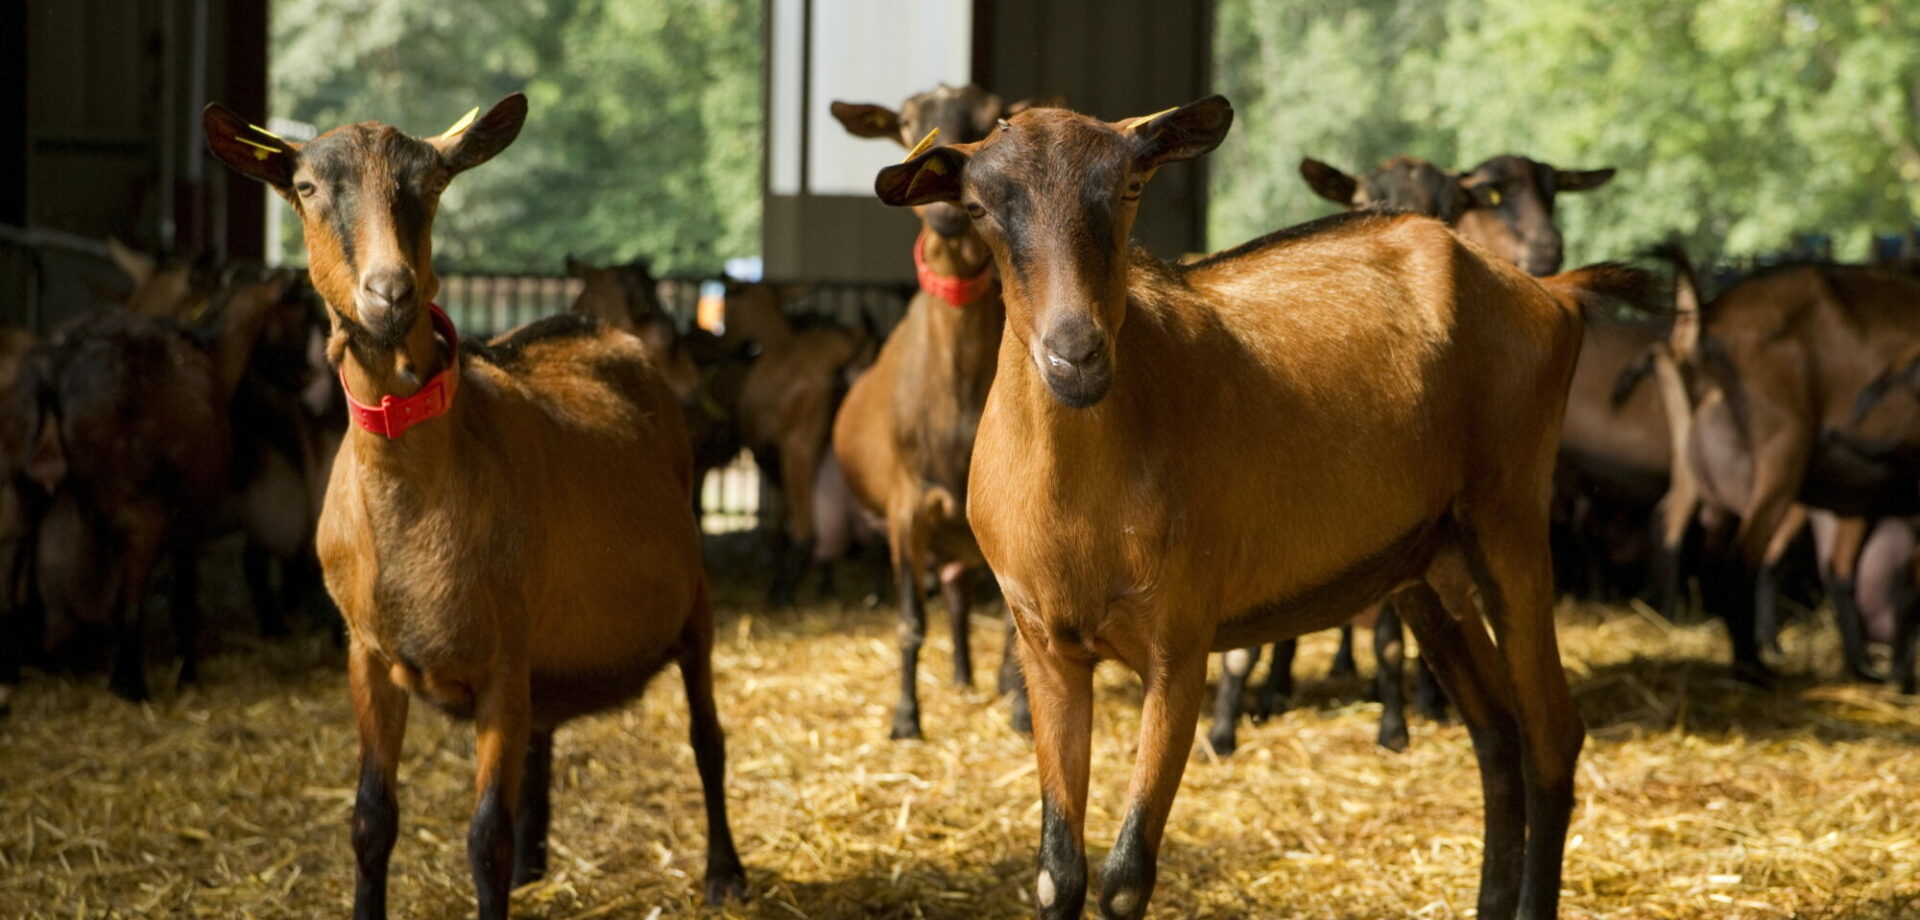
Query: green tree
643	137
1735	123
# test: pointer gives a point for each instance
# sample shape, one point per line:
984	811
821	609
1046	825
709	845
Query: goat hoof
723	884
1753	673
906	727
1223	743
1393	738
1865	674
133	691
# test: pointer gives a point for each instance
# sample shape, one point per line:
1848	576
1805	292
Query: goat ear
1179	134
866	120
932	176
138	265
473	141
577	268
248	150
1480	193
1328	182
1580	180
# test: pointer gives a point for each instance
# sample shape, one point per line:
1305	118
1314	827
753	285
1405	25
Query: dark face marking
963	115
373	192
1055	196
1520	192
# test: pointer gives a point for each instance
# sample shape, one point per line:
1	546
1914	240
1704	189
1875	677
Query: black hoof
722	884
1393	737
1866	674
1753	673
906	727
1224	743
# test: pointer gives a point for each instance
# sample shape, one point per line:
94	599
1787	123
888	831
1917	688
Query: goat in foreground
508	529
1179	460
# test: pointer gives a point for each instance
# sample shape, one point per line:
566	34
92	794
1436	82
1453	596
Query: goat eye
305	189
974	210
1133	189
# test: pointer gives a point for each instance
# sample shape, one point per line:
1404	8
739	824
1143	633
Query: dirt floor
1698	797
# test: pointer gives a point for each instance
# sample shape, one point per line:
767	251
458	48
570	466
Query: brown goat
904	437
525	552
1767	381
1506	205
1178	460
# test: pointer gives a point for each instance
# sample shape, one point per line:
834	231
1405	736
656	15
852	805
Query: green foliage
1735	123
643	137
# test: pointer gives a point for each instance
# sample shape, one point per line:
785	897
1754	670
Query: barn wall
100	134
1112	58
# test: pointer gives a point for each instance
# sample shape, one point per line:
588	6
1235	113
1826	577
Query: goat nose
1076	348
390	287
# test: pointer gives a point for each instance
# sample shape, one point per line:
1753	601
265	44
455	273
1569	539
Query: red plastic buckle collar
394	416
956	291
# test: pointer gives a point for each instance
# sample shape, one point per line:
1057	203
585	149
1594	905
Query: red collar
394	416
956	291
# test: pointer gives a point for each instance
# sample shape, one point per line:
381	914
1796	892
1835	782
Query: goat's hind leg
1515	576
1234	668
1465	662
725	876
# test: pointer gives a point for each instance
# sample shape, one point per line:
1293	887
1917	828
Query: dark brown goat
517	544
904	435
1179	460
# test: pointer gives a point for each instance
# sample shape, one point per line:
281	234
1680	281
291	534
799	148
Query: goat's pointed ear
473	141
138	265
248	150
577	268
1328	182
930	177
1179	134
867	120
1580	180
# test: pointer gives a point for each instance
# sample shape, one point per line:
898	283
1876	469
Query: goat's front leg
1176	684
501	724
380	715
1060	688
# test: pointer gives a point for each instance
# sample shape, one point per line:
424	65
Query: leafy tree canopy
1735	123
643	137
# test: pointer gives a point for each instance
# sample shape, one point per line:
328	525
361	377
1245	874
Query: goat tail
1594	288
936	505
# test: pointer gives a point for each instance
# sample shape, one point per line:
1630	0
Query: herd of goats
1380	414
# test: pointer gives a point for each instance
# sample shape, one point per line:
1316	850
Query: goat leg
536	809
1176	682
380	716
255	562
185	611
725	876
1389	678
953	590
1277	693
1343	663
1062	694
1234	668
501	731
1465	662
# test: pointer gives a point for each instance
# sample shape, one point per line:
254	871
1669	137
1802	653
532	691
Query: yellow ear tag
921	147
1147	118
465	122
259	130
260	151
1493	195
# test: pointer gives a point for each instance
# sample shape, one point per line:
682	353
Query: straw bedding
1698	797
